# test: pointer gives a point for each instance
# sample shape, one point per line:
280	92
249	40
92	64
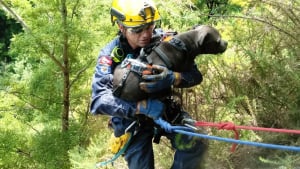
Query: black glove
163	80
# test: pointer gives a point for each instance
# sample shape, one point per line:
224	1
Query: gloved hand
152	108
164	79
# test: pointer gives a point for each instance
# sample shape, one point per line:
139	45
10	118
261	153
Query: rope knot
226	126
230	126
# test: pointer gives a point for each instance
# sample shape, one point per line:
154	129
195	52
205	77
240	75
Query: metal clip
130	126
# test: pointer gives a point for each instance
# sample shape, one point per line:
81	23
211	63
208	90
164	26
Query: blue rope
183	130
274	146
169	128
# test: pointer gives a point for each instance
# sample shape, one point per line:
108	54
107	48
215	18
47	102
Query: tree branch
74	9
80	72
26	28
259	20
16	16
22	152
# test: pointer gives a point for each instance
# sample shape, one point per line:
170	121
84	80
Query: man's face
138	36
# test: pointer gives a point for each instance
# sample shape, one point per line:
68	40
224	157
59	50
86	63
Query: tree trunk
66	72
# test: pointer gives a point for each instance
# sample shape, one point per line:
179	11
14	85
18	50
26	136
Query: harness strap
157	134
164	57
178	44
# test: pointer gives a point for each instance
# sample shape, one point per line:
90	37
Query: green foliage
255	82
50	153
289	162
272	72
15	143
37	80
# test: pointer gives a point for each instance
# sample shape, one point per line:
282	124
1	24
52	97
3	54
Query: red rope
231	126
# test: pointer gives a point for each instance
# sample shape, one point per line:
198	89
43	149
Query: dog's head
210	40
204	39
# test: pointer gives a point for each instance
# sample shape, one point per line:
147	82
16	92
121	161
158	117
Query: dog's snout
223	45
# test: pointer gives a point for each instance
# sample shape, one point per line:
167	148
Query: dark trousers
188	155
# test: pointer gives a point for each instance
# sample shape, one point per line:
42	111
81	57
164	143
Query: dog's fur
181	54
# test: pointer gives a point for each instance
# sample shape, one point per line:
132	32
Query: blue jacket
103	100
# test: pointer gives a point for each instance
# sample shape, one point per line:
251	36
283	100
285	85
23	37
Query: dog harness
177	43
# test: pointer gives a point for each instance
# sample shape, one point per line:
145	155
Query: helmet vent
148	8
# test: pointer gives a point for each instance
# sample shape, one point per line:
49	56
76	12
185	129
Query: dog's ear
202	35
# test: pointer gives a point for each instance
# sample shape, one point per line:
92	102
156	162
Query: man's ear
121	27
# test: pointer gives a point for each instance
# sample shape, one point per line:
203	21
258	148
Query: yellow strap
167	38
117	143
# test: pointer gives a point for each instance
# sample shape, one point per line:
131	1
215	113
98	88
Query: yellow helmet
134	13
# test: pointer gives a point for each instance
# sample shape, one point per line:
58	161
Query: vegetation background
49	48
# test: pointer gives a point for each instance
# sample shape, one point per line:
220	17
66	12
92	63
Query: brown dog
177	54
